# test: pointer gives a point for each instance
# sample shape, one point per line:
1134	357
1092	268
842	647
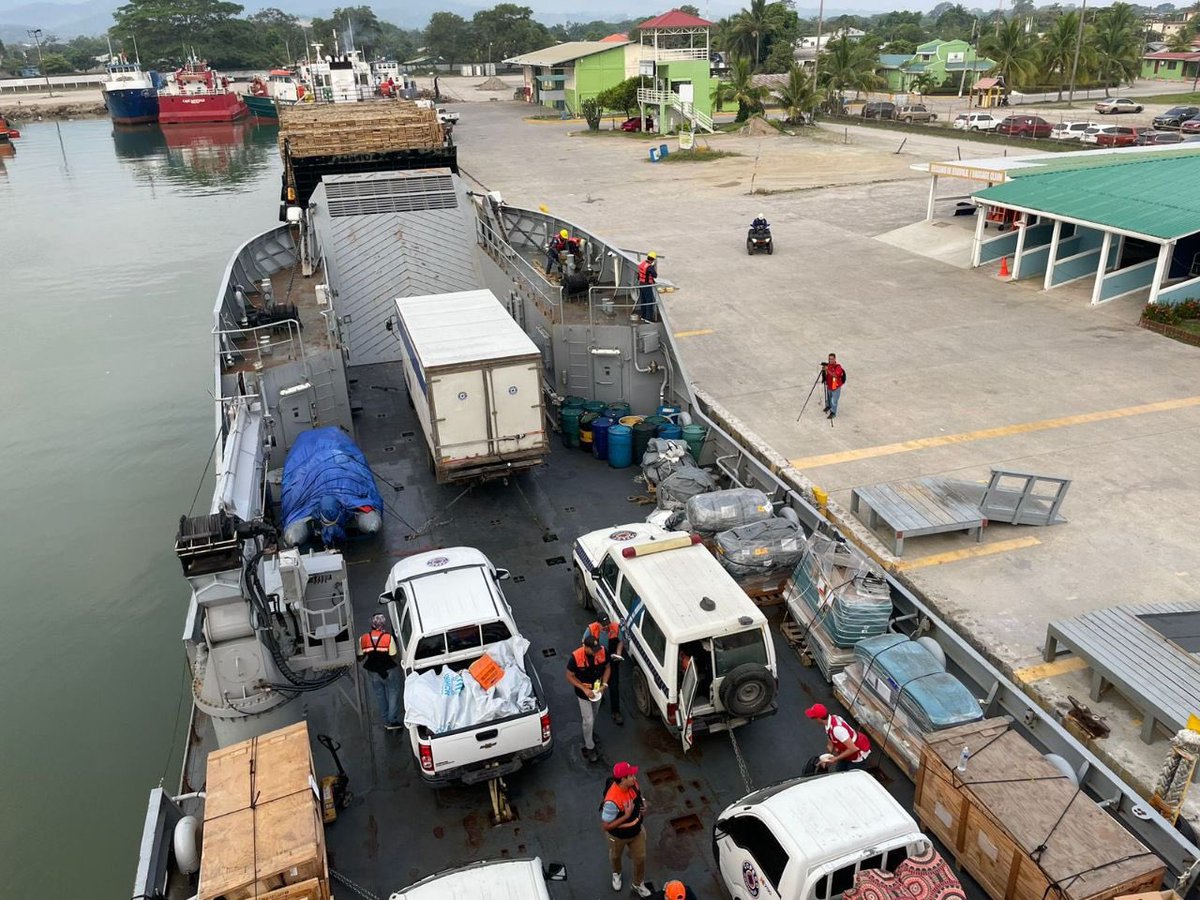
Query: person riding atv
759	236
760	225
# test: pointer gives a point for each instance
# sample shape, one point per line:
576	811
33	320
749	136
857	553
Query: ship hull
135	106
175	109
264	107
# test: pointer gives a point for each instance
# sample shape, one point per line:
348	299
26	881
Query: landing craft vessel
269	639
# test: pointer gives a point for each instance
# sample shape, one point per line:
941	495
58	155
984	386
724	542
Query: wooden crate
263	831
347	128
1001	820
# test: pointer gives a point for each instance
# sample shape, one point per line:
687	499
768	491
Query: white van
701	650
807	839
497	879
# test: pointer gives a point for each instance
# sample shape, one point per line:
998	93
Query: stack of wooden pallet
1021	827
339	129
263	834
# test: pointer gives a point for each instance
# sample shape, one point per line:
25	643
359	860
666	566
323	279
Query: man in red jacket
833	376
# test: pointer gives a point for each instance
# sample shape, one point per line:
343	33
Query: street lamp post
36	34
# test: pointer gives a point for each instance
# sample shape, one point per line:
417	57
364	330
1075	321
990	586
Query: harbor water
112	243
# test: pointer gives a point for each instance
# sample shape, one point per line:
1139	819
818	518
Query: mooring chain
357	888
741	762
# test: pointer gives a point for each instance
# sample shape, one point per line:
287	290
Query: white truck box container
475	380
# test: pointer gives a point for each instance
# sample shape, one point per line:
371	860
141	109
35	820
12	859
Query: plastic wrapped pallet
902	673
682	485
664	456
760	546
851	597
723	510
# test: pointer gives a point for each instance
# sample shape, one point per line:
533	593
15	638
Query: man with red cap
621	818
849	748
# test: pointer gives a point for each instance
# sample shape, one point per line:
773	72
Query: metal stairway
685	108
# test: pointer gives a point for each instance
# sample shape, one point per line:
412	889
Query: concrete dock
950	371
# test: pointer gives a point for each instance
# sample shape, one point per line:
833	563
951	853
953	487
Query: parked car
1115	105
975	122
1150	138
635	124
524	878
701	651
1175	116
878	109
1070	131
1091	134
448	610
916	113
1120	136
1025	126
808	838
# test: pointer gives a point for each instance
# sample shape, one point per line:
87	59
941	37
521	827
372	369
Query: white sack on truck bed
760	546
444	700
722	510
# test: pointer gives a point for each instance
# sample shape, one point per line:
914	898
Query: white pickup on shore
447	608
475	380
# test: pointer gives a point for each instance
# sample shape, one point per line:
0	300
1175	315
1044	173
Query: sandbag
722	510
664	456
760	546
680	486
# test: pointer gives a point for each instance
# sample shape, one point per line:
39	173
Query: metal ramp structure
1020	498
918	507
670	100
1149	652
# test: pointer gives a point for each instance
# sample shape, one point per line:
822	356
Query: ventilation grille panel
390	195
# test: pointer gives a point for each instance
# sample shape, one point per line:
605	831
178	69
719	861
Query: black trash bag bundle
664	456
682	485
760	546
722	510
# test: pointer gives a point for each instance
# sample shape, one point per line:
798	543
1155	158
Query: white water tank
491	68
465	71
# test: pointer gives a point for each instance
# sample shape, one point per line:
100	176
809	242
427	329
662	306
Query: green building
1171	66
676	69
945	62
565	75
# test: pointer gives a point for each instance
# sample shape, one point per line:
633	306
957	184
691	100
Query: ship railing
618	304
260	345
547	297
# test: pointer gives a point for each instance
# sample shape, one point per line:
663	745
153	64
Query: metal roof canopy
564	53
998	169
1150	198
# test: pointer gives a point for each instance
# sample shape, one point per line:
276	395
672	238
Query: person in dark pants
608	634
845	747
377	649
647	276
587	672
833	376
557	245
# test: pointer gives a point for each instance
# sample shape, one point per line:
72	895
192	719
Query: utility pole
36	34
1078	45
817	58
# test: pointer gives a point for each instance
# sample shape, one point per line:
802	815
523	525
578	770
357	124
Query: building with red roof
1172	66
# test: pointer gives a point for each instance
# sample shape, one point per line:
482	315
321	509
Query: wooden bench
919	507
1156	675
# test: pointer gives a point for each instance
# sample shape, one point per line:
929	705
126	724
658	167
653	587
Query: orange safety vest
614	630
620	796
375	642
644	276
581	660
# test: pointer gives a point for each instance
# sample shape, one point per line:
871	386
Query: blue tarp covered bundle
326	482
899	670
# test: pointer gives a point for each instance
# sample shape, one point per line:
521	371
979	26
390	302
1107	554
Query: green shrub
1172	313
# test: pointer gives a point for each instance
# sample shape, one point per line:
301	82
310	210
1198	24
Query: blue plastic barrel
653	154
600	426
663	150
620	446
570	426
617	410
669	412
670	431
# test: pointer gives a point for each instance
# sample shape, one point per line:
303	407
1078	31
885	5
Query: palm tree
740	89
1117	45
1057	48
848	65
1181	41
922	83
1013	50
751	25
797	94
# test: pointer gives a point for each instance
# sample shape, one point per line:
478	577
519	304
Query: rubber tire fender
743	676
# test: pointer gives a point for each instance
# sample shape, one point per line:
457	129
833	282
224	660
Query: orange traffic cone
1004	273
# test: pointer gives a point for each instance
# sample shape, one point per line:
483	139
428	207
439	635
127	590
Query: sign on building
646	68
956	57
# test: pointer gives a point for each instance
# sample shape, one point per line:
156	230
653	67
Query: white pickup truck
444	116
447	609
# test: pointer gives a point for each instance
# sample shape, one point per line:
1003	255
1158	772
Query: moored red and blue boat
130	94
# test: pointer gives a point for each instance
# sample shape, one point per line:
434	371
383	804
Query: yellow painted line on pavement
965	437
940	559
696	333
1050	669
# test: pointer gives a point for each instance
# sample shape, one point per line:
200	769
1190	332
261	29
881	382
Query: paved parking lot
950	370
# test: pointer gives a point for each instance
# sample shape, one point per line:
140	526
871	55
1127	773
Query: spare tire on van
748	690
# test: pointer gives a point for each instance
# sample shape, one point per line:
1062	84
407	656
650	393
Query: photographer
833	376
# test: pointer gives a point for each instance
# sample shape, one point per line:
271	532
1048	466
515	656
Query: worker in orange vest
608	633
587	672
377	649
647	276
621	818
833	376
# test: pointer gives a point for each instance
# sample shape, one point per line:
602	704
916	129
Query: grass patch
1192	326
1188	99
697	154
617	132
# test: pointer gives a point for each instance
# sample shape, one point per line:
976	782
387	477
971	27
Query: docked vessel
280	87
338	79
197	93
377	211
130	94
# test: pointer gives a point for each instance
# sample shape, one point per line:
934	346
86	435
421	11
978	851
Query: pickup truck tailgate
497	741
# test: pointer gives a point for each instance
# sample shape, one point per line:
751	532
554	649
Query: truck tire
641	693
582	597
748	690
